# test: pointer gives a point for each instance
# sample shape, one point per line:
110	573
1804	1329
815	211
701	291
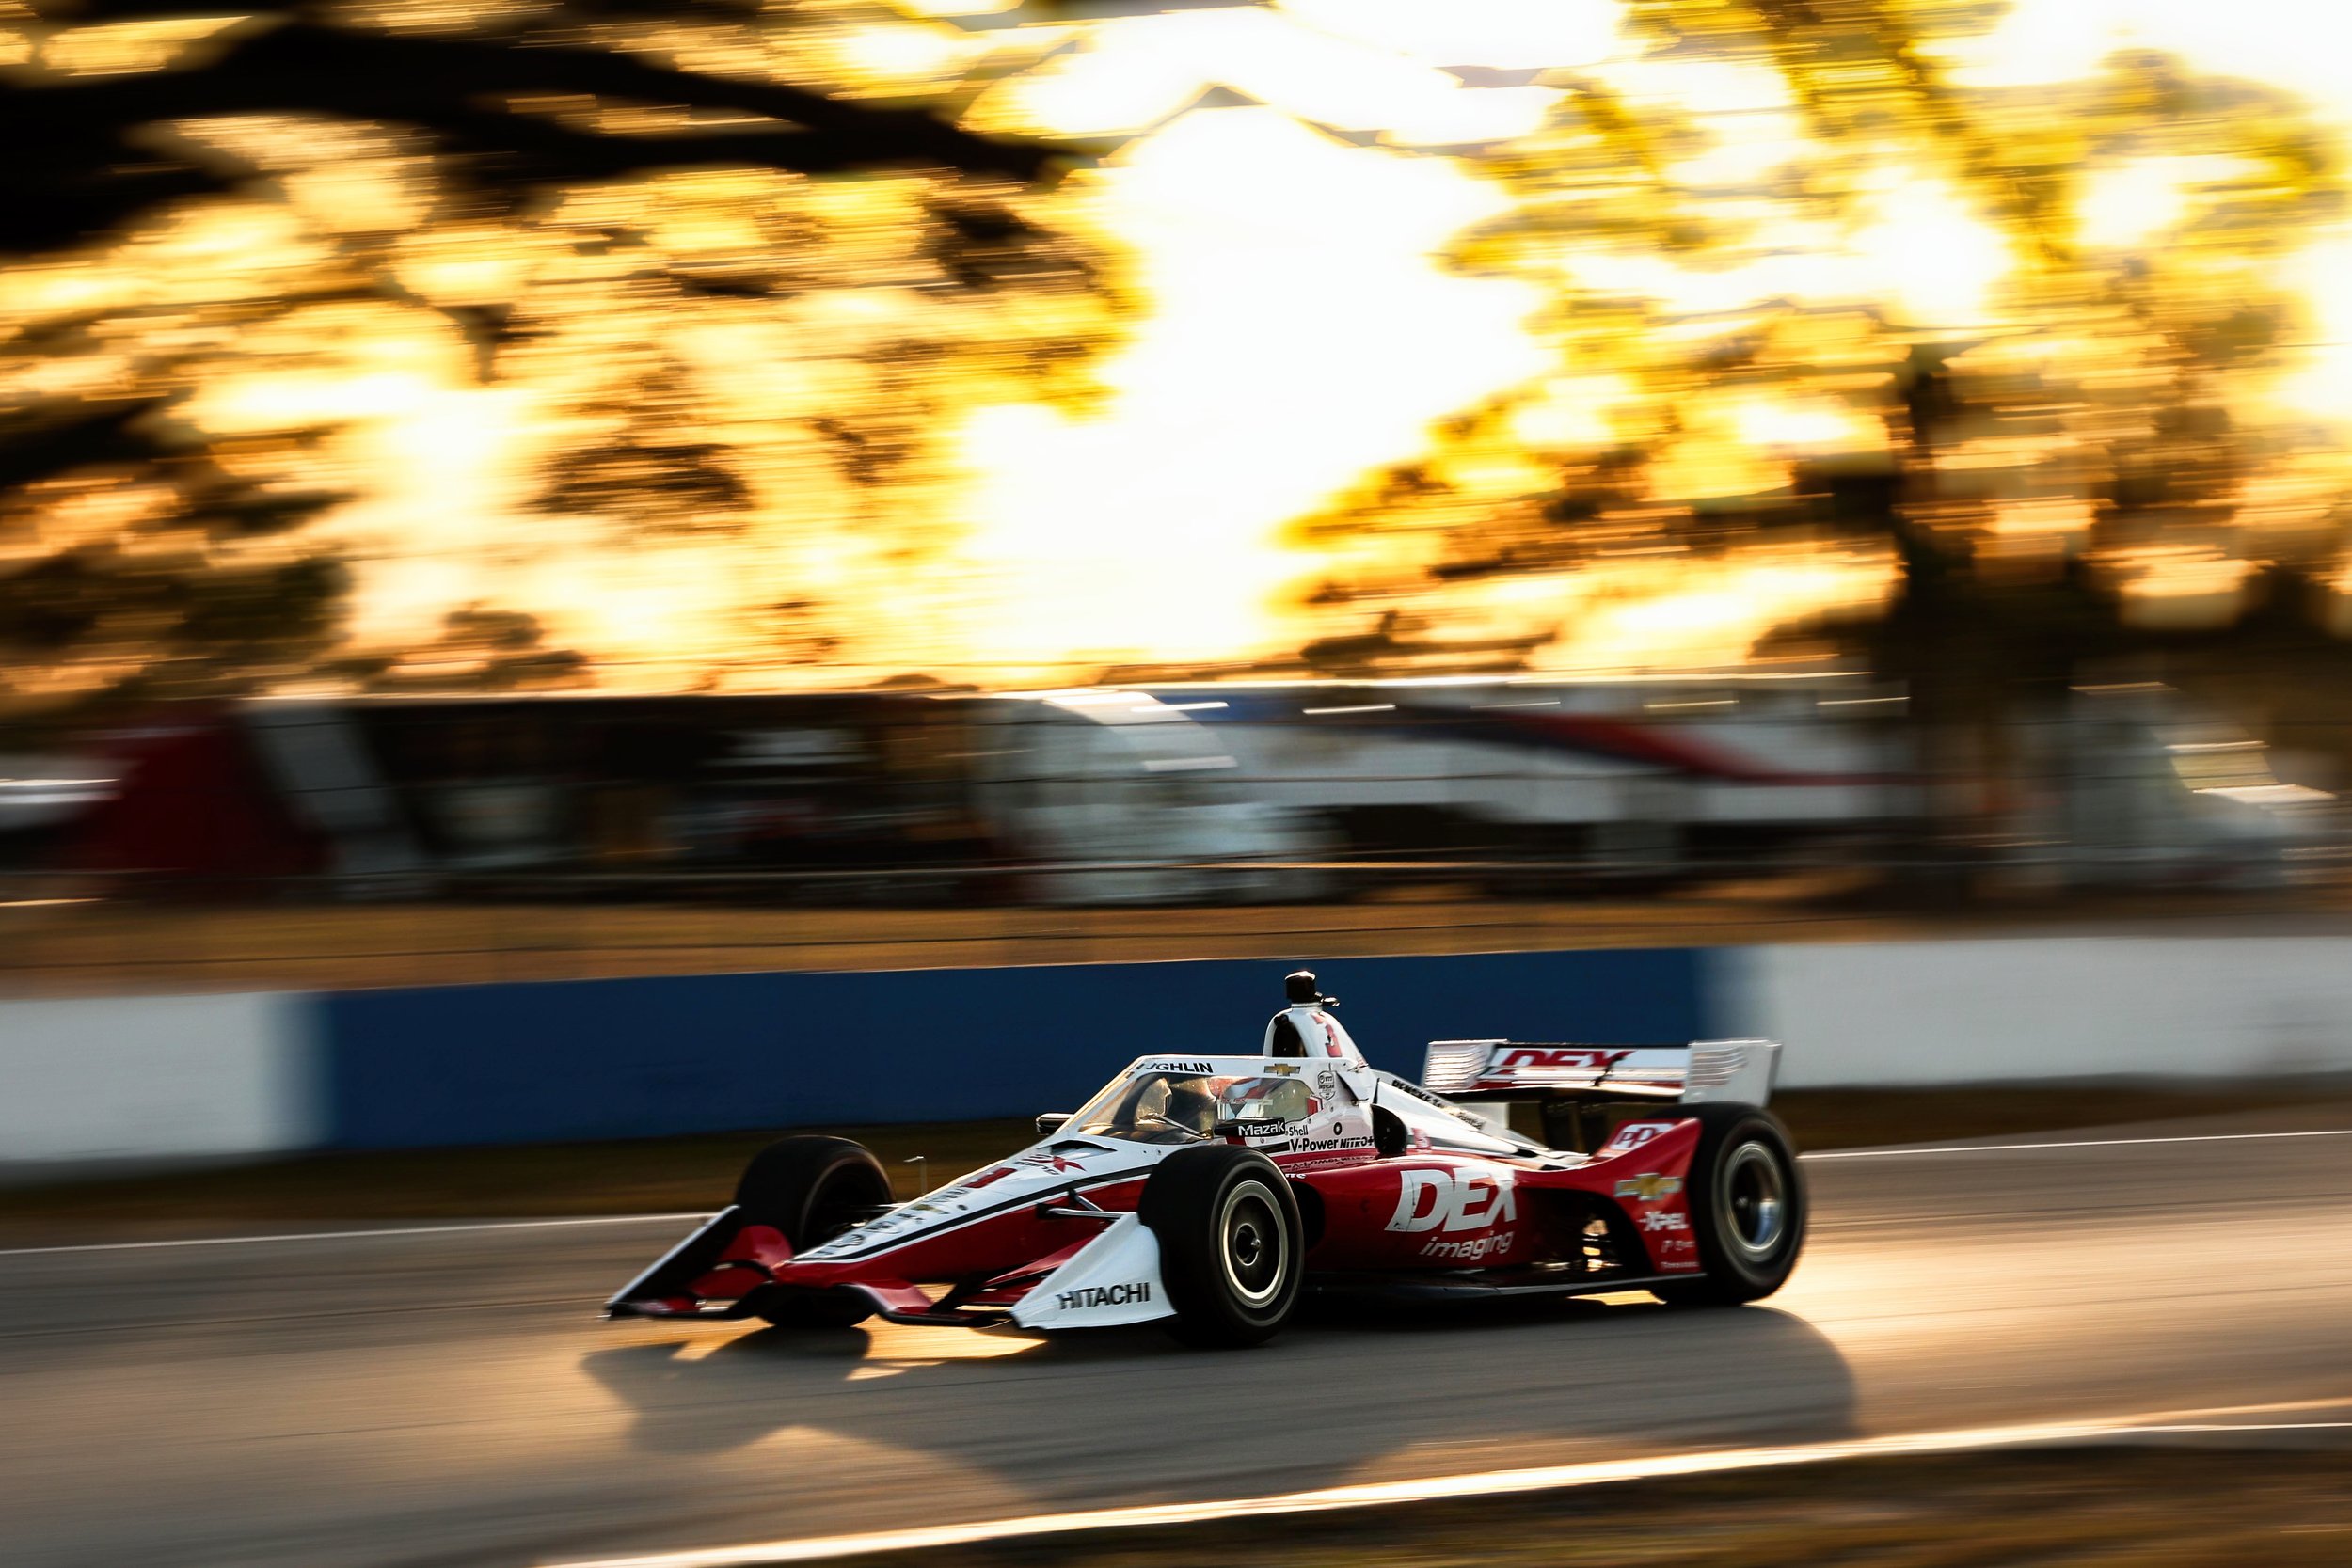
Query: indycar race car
1208	1192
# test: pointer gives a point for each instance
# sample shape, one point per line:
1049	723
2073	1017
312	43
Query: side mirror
1052	1121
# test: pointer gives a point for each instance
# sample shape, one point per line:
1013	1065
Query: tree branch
301	67
36	449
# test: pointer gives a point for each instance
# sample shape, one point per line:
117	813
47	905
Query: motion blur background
582	580
1891	444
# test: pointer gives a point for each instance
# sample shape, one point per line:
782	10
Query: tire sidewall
1724	1131
795	1183
800	1186
1186	1202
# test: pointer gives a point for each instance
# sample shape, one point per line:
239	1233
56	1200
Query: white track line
1908	1153
353	1235
1933	1152
1492	1483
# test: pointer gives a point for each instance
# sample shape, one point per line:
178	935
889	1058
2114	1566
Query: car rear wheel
1747	1208
1231	1248
812	1190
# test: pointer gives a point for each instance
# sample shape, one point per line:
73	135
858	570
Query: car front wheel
1231	1253
811	1189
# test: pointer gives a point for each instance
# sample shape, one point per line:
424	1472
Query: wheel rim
1756	1195
1253	1242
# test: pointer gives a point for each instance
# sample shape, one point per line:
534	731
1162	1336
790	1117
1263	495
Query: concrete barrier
2012	1010
149	1078
628	1058
162	1078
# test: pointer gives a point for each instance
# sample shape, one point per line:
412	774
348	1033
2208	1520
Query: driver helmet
1189	1107
1271	1099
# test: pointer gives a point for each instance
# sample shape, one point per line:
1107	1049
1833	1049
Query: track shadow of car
1342	1391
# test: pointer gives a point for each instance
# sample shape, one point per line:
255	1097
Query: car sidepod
1438	1210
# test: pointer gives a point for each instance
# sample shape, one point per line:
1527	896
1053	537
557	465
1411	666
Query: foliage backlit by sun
1394	279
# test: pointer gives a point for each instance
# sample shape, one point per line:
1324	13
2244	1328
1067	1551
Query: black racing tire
1233	1251
811	1189
1748	1204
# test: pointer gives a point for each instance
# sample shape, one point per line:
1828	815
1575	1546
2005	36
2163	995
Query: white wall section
2028	1007
166	1078
142	1078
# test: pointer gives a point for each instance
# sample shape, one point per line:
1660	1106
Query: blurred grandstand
1210	793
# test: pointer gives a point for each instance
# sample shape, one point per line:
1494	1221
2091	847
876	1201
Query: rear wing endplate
1693	1074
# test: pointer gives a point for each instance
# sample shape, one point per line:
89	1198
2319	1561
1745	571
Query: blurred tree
491	85
129	563
482	295
477	650
1816	297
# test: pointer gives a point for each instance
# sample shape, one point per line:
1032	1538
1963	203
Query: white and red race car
1209	1192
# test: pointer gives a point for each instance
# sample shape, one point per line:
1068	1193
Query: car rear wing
1692	1075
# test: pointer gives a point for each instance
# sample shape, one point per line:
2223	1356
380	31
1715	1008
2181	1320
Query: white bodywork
1114	1279
1695	1074
1061	1234
1046	1169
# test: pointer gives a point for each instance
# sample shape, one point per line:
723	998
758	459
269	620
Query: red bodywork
1424	1213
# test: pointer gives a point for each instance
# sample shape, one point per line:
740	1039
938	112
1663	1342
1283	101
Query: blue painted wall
639	1058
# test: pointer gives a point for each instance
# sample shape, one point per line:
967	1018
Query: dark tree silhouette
80	167
2031	463
143	553
170	614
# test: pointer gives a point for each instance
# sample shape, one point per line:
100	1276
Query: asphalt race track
450	1399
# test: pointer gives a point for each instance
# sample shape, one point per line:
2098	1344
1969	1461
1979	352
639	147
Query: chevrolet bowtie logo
1649	1187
